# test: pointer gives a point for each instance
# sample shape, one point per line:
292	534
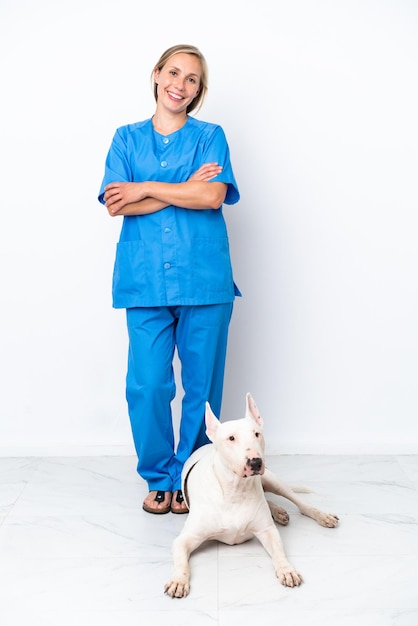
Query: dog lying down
224	485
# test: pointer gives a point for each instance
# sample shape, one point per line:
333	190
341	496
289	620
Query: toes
290	578
176	590
178	503
328	520
332	521
157	502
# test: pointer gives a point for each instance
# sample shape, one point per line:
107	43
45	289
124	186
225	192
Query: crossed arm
152	196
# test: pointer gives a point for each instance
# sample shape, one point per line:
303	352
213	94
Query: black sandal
179	499
160	496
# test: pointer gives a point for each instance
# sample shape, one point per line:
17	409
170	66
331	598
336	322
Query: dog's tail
300	489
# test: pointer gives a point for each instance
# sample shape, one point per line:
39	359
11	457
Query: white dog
224	484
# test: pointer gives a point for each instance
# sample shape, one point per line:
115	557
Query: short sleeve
117	168
217	150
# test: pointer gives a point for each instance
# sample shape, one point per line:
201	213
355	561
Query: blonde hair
196	104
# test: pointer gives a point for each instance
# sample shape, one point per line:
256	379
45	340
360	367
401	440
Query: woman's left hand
206	172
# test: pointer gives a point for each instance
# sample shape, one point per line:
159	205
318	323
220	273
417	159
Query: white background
319	102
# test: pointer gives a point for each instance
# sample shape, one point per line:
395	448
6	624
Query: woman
168	177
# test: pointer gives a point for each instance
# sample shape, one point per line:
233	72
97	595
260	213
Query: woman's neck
166	125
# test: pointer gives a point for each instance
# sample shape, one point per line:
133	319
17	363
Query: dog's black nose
255	464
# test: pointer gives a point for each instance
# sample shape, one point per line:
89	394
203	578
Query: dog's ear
212	422
252	410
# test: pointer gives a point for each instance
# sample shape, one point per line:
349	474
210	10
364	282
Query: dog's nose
255	464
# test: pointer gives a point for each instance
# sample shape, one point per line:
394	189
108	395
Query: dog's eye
232	438
257	435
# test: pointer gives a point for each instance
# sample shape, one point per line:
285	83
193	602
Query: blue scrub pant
200	334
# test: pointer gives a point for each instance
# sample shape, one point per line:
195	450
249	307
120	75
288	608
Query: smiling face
178	82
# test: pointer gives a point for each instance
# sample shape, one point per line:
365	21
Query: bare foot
158	502
178	503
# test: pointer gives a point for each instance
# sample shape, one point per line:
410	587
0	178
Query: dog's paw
327	519
288	576
177	588
280	515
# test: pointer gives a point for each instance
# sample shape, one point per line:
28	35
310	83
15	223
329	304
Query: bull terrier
224	485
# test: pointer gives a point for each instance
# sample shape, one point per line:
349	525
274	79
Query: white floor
76	549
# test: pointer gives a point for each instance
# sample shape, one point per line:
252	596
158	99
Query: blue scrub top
175	256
